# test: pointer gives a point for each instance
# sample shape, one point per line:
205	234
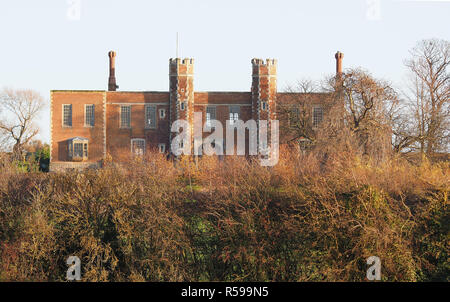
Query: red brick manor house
88	125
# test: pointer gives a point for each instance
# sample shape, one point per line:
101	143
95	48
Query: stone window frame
304	144
162	113
234	115
316	119
92	119
78	152
153	118
138	140
162	148
293	116
83	150
63	113
264	106
121	119
211	112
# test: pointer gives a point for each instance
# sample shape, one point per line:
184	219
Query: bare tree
430	94
369	106
366	99
294	111
305	86
19	109
358	113
402	127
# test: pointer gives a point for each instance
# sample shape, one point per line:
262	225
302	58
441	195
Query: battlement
268	62
179	61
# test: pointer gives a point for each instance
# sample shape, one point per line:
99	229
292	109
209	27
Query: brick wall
60	134
118	140
222	102
107	137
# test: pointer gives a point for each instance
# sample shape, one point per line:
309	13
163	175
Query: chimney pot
112	86
339	56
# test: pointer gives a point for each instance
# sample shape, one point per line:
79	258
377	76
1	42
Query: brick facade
107	136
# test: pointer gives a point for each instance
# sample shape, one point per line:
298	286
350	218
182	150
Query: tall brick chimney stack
112	86
339	56
339	82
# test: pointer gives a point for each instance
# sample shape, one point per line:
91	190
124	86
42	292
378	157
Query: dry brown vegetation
306	219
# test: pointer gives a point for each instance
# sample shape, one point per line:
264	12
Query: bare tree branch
19	110
430	94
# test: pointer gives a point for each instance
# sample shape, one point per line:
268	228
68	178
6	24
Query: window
162	148
304	144
210	115
317	116
125	116
138	146
162	113
89	115
296	113
264	106
294	117
234	114
150	116
78	149
67	115
183	105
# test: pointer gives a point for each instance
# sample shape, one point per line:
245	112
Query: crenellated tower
264	90
181	82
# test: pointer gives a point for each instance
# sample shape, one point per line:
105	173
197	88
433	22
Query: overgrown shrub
153	219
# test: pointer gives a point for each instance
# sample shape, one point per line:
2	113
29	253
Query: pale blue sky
42	49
